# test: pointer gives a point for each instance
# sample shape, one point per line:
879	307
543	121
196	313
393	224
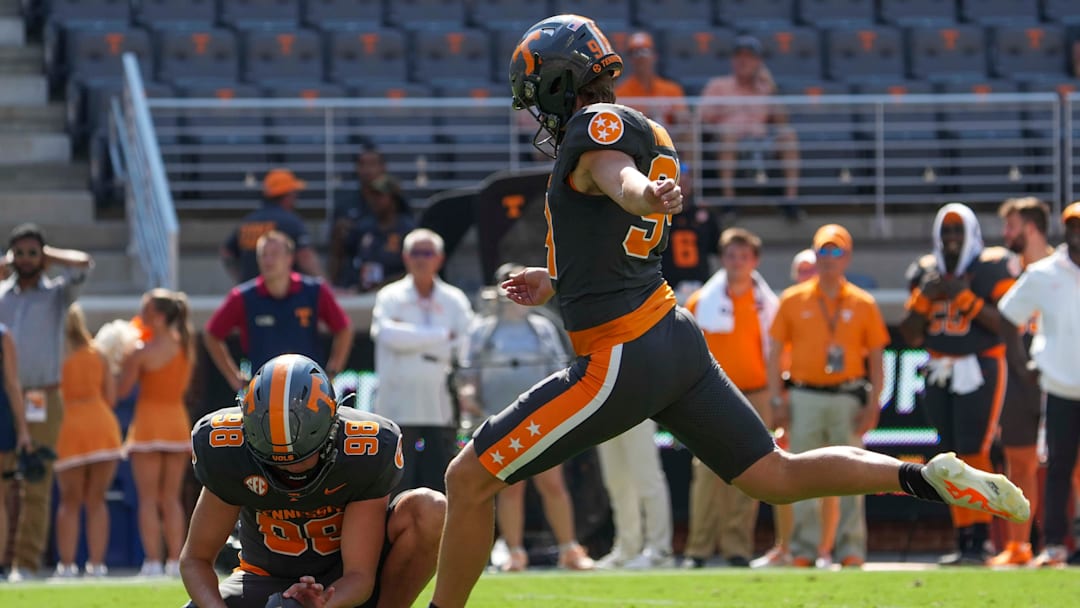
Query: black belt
819	388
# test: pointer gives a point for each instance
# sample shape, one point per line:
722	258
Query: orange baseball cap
639	41
833	234
1072	212
279	182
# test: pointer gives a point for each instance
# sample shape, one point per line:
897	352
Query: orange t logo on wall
303	314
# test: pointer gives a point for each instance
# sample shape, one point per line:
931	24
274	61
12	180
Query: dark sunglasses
830	252
423	253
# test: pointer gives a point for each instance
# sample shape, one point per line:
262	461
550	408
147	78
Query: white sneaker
96	570
151	569
611	561
66	571
15	575
172	568
823	563
966	486
773	558
649	560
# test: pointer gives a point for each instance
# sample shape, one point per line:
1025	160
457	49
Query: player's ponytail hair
174	306
598	90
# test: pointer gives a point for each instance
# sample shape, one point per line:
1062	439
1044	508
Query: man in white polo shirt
1051	288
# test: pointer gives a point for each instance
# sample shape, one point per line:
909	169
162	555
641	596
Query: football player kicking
310	483
613	189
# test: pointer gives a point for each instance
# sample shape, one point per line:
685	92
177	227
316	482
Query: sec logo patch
606	128
257	484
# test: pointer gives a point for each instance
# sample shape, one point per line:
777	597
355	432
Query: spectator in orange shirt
735	309
747	125
837	336
643	81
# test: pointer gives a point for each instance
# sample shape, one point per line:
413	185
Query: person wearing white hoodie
735	309
953	313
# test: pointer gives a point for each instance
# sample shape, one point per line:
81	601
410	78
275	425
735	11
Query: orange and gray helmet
289	414
553	60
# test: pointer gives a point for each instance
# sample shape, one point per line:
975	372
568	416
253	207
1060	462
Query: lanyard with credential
831	321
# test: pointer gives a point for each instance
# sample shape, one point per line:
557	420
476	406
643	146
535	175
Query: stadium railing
151	213
878	151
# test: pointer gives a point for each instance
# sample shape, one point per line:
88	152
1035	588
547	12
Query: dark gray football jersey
603	261
286	535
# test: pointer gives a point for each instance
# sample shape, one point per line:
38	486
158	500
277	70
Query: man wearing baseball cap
280	189
644	81
737	126
837	336
1050	288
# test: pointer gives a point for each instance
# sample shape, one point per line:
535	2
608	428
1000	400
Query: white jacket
715	313
1050	287
416	341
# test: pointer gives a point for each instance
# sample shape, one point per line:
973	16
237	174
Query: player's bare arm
529	287
211	523
613	173
363	530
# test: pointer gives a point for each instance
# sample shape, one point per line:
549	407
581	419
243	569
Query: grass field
718	587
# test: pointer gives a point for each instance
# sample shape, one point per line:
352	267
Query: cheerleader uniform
89	432
161	422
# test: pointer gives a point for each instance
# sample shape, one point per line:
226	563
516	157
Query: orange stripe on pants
548	416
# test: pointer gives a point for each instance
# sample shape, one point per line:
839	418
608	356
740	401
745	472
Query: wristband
918	303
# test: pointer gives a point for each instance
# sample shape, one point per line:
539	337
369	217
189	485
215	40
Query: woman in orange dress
159	438
88	448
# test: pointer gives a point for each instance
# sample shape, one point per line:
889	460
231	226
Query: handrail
151	215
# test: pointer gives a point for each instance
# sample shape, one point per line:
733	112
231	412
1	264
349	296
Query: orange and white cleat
966	486
1015	554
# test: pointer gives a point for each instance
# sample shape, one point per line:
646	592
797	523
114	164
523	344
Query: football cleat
965	486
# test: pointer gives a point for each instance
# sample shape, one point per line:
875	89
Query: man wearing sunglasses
836	335
34	307
419	324
953	313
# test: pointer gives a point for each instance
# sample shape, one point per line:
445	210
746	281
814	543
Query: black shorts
247	590
966	423
667	374
1021	414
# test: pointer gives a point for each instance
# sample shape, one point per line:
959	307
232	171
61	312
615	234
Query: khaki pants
820	419
32	529
720	512
638	490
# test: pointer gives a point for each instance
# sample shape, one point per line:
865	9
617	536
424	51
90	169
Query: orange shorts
159	427
88	434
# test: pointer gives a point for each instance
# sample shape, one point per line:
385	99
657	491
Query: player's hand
933	286
529	287
309	593
24	443
664	196
954	285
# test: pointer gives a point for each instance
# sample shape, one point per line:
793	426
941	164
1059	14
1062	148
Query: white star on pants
515	445
497	457
534	429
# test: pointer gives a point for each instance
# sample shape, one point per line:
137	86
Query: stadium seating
696	55
343	14
1062	11
791	53
657	14
188	56
513	15
426	14
67	12
451	56
999	11
823	13
277	56
607	13
95	65
865	54
755	13
157	14
918	12
359	56
1025	52
948	52
244	14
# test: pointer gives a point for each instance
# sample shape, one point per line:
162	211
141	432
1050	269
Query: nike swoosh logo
329	491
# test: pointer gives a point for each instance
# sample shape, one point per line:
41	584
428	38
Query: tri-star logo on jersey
606	128
257	484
